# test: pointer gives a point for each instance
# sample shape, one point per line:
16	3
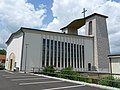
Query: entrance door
11	61
10	64
89	66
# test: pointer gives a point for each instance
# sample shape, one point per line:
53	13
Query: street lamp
26	58
110	65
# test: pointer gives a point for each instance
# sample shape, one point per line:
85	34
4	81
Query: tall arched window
90	28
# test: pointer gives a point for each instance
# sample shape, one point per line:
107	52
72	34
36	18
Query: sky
51	15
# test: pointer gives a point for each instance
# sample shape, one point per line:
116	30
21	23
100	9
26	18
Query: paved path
21	81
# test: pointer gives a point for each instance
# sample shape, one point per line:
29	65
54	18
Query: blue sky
48	4
117	0
55	15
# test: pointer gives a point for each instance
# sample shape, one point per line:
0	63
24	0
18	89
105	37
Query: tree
3	52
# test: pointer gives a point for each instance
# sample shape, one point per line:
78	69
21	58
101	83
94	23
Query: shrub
94	68
85	79
68	73
110	81
2	66
49	70
117	82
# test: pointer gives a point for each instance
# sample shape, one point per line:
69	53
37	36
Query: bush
49	70
110	81
94	68
2	66
68	73
85	79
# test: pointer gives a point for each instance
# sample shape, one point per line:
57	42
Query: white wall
116	65
33	51
89	56
15	46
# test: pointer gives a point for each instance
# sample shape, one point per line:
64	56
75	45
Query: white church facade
29	48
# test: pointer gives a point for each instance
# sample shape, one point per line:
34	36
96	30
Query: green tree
2	51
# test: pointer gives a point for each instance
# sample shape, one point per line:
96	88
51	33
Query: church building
28	48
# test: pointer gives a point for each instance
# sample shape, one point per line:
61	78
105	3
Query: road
21	81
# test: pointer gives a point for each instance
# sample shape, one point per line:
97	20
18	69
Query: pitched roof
76	24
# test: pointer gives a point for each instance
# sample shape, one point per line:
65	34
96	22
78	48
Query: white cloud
17	13
53	26
67	10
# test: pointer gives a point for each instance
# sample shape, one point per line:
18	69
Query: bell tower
96	26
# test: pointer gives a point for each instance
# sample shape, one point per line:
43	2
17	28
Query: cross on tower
84	12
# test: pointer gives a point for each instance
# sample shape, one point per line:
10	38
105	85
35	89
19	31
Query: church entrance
11	62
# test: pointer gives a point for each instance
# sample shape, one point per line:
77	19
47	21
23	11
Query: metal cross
84	12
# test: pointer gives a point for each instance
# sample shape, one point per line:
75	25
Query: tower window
90	28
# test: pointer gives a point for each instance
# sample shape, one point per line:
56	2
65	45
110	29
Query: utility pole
26	58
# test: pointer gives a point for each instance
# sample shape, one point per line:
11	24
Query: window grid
63	52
